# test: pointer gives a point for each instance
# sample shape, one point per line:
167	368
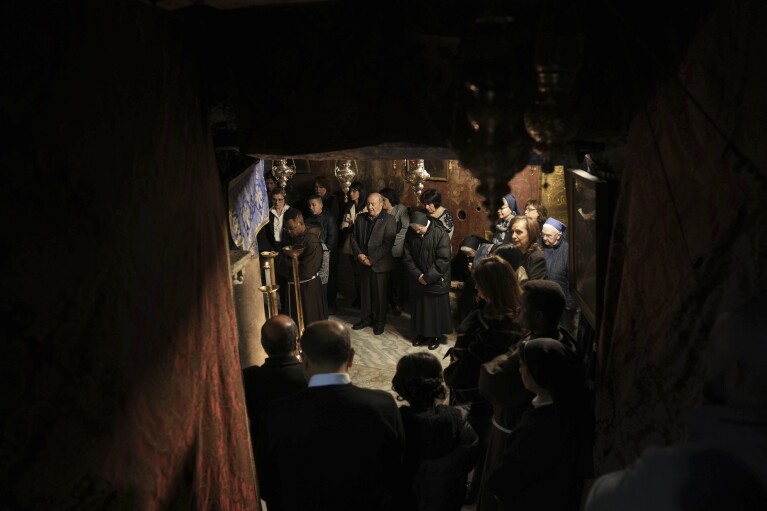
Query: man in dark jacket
333	445
280	375
329	236
374	234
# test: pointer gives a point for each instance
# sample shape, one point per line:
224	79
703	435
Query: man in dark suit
374	234
334	445
280	375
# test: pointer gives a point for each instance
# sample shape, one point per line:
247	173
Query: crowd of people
478	428
451	443
508	423
401	258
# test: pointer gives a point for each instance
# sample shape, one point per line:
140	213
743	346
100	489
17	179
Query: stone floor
376	356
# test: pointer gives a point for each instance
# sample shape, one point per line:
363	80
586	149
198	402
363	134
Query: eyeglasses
545	235
504	207
529	209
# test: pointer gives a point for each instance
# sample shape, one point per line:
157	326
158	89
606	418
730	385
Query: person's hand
421	279
364	260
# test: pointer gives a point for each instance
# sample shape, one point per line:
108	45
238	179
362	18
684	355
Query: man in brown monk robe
309	263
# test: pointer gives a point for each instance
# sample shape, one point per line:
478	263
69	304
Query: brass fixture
416	175
346	174
282	172
270	288
293	251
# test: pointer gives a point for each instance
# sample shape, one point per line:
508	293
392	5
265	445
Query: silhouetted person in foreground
281	374
441	447
500	382
540	468
333	445
723	464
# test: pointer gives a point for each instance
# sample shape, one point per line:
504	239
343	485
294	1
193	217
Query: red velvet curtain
121	379
671	273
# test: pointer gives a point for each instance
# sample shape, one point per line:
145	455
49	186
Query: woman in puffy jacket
427	261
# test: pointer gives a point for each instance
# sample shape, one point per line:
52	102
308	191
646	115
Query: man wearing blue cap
556	250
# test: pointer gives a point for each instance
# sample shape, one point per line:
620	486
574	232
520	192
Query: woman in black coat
427	260
488	331
355	204
440	446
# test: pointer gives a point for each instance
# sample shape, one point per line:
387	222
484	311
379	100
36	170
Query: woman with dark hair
427	261
271	183
356	204
397	289
432	202
331	208
525	233
460	270
329	201
540	468
511	253
488	331
440	446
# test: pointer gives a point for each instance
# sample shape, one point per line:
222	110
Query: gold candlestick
270	276
271	299
293	251
268	265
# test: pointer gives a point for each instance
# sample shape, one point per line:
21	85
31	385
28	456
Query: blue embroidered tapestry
248	206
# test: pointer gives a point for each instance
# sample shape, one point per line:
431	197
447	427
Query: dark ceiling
372	80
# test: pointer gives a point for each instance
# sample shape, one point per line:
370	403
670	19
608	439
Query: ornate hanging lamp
415	173
346	174
282	172
499	83
554	119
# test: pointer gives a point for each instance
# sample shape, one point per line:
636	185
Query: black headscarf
553	367
510	252
472	242
419	218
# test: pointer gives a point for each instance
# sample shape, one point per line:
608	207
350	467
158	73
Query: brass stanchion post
271	287
293	251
